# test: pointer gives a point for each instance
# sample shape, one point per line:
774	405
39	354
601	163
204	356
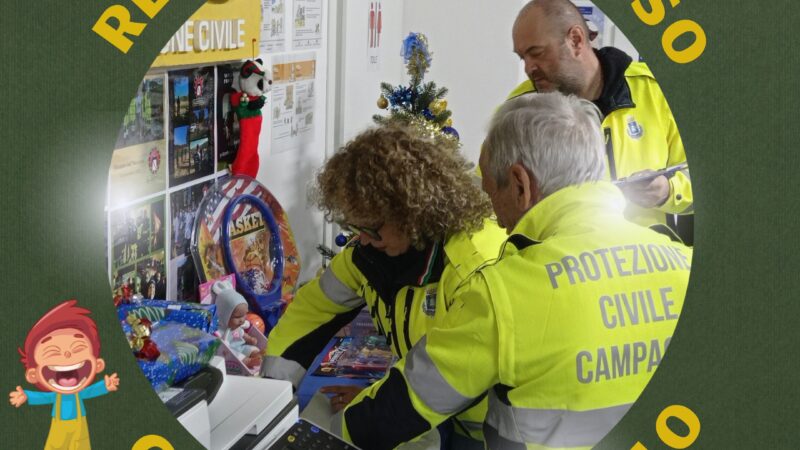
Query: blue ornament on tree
402	97
415	47
452	131
341	240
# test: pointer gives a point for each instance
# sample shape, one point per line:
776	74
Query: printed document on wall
373	38
293	100
273	26
307	24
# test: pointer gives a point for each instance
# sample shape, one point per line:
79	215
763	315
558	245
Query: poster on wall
307	24
273	26
374	28
183	208
293	101
144	120
184	283
136	172
191	149
137	249
227	132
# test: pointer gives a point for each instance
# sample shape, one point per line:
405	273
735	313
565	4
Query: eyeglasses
371	232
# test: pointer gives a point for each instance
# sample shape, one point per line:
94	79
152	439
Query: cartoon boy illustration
61	357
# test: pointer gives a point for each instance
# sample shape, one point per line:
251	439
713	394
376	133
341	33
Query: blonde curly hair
394	174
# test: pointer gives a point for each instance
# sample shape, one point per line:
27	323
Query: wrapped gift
202	317
183	352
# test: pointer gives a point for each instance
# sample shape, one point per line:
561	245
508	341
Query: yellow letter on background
150	7
685	415
152	441
116	36
656	14
676	30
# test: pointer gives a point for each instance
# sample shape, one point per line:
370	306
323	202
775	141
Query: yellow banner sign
221	30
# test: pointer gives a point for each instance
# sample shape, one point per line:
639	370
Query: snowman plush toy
247	101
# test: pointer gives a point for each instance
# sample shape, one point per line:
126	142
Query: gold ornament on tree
437	106
383	103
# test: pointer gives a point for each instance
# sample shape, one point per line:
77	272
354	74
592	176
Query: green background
731	361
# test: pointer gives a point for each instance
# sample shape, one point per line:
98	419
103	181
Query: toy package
206	296
357	357
234	365
362	325
242	344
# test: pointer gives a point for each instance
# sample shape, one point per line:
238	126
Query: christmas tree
419	104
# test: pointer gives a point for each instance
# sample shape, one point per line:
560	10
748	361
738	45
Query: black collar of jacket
388	274
616	93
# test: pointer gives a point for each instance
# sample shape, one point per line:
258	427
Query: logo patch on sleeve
429	305
634	128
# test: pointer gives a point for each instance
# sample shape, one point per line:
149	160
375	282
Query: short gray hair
554	136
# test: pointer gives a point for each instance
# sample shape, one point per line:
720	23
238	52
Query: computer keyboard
304	435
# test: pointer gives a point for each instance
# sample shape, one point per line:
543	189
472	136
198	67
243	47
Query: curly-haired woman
422	228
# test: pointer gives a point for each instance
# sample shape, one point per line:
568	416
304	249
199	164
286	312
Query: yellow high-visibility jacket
406	296
562	333
640	132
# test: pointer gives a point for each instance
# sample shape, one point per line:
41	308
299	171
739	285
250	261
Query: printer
232	412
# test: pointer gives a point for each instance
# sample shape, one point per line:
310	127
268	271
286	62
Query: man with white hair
565	329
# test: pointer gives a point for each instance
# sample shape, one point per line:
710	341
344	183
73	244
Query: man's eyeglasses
371	232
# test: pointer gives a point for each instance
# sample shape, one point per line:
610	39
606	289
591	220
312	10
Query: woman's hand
342	395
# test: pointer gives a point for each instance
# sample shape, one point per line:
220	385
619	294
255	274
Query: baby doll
231	311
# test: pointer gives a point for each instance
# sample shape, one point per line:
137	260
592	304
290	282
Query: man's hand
343	395
646	194
17	397
112	382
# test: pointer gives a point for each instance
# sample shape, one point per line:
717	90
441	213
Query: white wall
361	87
286	174
472	56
